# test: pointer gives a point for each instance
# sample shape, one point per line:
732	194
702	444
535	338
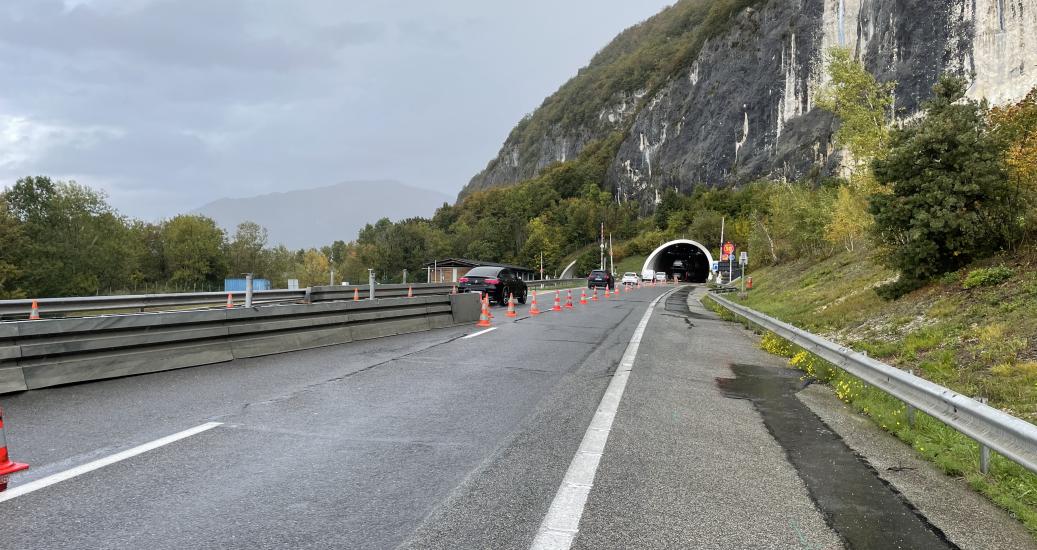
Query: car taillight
463	280
493	281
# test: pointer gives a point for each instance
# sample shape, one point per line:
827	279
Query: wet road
435	440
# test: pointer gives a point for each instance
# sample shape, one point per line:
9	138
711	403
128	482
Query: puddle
856	503
678	303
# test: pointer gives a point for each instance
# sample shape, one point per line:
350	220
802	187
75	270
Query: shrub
988	276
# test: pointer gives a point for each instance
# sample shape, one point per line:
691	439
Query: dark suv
496	282
601	278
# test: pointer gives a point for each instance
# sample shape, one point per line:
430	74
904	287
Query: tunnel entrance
689	260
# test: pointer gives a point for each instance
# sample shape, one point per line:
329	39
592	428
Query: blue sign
716	266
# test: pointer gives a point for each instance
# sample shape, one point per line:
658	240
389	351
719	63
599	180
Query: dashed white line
20	490
562	522
480	333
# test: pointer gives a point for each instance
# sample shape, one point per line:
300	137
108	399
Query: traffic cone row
485	314
7	467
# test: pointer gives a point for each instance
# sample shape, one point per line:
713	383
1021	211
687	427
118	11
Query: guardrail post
404	276
984	451
910	409
248	290
370	283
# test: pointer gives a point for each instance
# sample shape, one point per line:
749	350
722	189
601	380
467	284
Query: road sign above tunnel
729	249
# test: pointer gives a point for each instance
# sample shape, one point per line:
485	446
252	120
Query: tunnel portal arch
689	259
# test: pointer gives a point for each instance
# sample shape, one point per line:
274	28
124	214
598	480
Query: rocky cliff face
743	107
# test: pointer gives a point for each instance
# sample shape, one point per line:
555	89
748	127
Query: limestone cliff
740	105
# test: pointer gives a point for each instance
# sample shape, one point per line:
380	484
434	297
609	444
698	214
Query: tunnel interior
685	260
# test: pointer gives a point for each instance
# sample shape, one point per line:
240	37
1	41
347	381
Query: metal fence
1014	438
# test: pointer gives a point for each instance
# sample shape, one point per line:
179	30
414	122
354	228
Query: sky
167	105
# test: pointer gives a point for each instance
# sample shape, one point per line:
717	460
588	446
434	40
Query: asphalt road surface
454	438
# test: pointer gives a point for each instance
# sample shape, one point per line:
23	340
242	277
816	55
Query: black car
496	282
601	278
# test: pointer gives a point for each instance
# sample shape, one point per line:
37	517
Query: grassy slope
979	342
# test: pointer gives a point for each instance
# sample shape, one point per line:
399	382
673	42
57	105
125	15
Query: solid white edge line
480	333
562	522
102	462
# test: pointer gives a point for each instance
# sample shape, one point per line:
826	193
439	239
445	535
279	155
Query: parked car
630	278
660	276
601	278
648	275
496	282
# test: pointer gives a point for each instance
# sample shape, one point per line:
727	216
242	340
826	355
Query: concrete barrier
39	354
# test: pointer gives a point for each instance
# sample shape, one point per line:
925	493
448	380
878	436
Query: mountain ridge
312	217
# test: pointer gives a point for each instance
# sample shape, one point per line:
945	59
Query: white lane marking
480	333
102	462
562	522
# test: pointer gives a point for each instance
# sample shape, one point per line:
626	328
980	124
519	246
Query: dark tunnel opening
685	260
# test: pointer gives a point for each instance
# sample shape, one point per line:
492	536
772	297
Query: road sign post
743	260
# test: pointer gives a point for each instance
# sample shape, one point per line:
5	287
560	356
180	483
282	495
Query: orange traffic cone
230	301
6	466
569	300
356	294
34	315
533	309
558	302
583	297
511	306
484	316
607	295
486	300
595	293
410	291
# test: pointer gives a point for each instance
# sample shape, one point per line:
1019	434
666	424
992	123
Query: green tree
77	243
246	251
863	105
194	248
949	201
12	245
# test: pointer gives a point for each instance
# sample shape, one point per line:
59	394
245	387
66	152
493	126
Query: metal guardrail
19	309
1012	437
13	308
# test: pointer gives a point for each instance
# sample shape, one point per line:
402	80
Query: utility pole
602	247
612	257
541	265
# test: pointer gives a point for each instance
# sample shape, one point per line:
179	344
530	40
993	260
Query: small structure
450	270
238	285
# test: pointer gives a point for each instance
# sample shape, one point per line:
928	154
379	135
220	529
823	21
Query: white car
630	278
660	276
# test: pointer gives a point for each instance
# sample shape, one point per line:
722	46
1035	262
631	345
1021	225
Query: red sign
729	248
725	257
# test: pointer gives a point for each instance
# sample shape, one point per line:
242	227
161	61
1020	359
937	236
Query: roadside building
449	270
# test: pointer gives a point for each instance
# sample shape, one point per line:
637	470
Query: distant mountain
315	217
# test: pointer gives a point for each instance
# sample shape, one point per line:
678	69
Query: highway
457	438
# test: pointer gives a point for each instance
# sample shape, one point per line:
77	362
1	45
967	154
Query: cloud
169	104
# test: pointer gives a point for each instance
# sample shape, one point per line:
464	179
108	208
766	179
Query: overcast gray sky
169	104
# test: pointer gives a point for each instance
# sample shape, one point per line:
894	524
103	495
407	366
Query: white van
648	275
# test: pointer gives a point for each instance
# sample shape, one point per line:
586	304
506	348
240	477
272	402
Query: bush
989	276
